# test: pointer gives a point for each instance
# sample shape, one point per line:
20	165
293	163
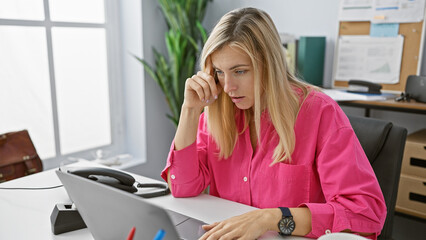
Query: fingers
215	231
209	226
246	226
199	86
220	231
214	91
205	87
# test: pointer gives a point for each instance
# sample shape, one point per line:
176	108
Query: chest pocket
287	184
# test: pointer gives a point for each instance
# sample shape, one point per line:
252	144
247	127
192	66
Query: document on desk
374	59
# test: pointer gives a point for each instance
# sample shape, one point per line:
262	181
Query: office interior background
134	108
293	17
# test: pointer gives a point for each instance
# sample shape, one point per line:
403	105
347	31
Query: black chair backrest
383	144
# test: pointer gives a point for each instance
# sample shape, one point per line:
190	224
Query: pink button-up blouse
329	173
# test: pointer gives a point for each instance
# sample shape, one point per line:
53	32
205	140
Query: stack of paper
342	95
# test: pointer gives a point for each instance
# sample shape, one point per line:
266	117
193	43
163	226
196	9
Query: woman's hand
201	89
250	225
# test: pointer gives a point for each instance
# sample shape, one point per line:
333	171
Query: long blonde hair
253	31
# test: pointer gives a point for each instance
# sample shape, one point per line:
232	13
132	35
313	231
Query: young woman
268	140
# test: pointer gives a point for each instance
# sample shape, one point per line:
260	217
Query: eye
218	72
240	72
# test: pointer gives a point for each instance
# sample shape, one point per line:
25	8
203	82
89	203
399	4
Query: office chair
383	144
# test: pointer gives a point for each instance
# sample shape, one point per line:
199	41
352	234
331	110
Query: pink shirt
329	173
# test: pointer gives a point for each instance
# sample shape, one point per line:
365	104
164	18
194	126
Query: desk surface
25	214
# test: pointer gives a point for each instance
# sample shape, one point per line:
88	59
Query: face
234	70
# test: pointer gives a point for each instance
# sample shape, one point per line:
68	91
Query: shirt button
172	176
245	179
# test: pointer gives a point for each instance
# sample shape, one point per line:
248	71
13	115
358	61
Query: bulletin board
411	54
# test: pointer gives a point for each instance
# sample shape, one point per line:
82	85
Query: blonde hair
253	31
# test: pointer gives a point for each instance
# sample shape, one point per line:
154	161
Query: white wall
300	18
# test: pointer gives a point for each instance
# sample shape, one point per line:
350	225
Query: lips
237	99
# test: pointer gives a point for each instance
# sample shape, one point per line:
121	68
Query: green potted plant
184	40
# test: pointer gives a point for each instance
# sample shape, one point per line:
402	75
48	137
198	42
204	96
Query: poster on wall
368	58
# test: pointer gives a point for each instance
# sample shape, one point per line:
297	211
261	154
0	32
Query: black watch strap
286	211
286	225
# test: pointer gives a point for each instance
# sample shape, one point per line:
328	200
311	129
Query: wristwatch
286	225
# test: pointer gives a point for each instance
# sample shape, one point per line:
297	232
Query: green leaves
184	40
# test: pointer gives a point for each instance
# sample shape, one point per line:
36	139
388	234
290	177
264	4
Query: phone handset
121	180
108	176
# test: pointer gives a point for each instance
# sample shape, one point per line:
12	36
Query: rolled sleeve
326	217
189	174
182	169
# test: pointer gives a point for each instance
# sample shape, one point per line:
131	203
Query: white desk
25	214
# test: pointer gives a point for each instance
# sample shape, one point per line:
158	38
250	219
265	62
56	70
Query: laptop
111	213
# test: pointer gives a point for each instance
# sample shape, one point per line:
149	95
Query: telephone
121	181
360	86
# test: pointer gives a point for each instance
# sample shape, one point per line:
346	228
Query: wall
300	18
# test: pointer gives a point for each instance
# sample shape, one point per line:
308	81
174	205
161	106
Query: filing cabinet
412	185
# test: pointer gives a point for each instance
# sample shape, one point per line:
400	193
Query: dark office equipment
360	86
310	59
404	97
383	144
65	218
416	88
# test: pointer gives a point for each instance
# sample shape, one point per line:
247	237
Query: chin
243	106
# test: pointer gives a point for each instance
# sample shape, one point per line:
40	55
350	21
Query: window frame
113	45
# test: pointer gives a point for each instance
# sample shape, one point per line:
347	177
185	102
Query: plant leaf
202	31
183	38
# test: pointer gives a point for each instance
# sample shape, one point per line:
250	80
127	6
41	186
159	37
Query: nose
229	84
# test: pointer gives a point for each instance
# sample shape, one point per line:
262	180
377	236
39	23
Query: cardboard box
414	160
412	196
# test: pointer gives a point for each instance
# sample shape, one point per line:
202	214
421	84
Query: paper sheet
368	58
382	11
342	95
384	29
398	11
355	10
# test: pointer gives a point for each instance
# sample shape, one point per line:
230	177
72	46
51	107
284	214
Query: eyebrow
234	67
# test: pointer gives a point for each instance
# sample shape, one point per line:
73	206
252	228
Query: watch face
286	225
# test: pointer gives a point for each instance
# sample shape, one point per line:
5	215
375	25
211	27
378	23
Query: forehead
228	56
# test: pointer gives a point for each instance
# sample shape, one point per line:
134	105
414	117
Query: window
57	77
